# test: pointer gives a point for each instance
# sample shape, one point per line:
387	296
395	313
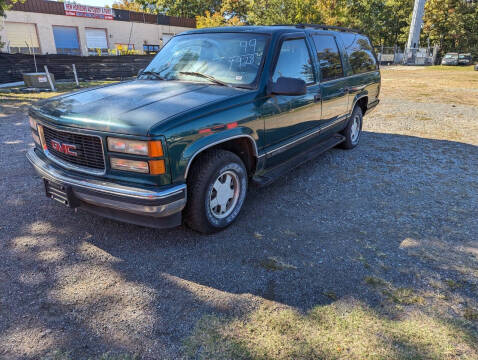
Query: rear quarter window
359	52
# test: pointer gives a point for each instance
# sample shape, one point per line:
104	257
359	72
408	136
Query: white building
50	27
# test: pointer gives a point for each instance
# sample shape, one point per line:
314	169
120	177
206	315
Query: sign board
94	12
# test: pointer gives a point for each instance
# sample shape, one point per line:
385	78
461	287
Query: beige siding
118	32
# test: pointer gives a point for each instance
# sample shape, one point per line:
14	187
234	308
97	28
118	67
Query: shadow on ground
390	226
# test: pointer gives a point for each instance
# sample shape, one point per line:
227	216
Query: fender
362	94
209	141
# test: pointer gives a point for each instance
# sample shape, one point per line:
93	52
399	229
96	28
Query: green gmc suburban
215	110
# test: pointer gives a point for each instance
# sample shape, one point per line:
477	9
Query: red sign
88	11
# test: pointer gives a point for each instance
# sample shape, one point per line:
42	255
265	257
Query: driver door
286	117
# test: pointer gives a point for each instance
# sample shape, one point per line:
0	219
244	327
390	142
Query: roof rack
321	26
327	27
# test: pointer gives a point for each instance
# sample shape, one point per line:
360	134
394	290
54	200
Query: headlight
136	147
33	123
129	165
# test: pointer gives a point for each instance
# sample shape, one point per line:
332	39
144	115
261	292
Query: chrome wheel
224	194
355	129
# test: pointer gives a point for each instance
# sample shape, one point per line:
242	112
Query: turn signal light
157	167
155	148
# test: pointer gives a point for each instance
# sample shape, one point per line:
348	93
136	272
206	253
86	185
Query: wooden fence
13	66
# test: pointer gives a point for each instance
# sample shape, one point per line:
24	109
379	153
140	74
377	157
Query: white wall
117	31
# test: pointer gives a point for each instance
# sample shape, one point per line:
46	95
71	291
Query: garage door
66	40
96	39
22	38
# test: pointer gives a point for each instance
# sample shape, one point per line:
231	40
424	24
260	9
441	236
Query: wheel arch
243	145
362	101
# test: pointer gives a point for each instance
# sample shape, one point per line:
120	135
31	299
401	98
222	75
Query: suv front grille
88	148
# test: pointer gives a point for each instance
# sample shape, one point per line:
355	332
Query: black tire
205	172
351	139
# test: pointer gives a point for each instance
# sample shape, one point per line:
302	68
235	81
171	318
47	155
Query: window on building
150	49
66	40
360	52
22	38
294	61
328	56
96	41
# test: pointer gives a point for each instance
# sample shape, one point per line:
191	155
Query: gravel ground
402	206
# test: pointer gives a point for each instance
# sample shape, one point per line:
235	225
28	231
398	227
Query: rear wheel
353	130
217	188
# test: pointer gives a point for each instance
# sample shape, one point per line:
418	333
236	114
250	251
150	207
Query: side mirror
140	71
289	86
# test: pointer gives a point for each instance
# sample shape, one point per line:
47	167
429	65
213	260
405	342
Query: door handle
346	89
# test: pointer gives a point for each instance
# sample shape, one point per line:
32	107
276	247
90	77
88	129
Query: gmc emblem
67	149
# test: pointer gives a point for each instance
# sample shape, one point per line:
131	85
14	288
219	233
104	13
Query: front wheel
217	188
353	130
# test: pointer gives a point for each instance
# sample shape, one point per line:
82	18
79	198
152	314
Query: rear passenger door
333	86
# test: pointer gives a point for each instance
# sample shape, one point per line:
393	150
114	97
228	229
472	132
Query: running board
280	170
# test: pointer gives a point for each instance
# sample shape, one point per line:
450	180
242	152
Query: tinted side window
294	61
329	57
360	52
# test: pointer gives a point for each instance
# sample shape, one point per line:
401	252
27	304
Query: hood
131	107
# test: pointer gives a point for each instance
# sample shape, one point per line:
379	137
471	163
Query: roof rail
327	27
319	26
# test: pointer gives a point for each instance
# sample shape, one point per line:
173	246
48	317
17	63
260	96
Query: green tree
385	21
452	24
269	12
335	12
132	6
7	4
182	8
217	19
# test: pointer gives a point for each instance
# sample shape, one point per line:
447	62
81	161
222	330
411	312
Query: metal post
35	60
49	79
76	76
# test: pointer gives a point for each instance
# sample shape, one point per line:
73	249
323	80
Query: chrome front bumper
103	194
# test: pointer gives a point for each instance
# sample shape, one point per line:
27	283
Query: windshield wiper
205	76
154	73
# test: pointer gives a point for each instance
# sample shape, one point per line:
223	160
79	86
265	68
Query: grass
470	314
433	84
11	100
452	68
342	330
401	295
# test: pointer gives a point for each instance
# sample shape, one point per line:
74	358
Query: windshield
231	58
451	56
